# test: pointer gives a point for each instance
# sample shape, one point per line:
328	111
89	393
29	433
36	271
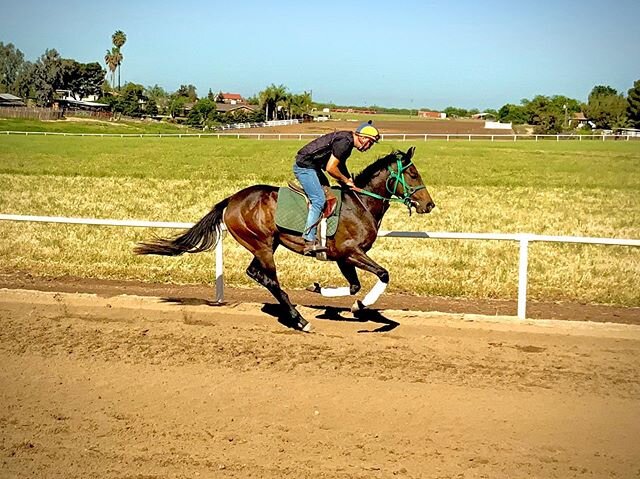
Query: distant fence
522	238
77	112
31	113
259	124
385	136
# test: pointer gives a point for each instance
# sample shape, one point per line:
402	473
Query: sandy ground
145	387
415	127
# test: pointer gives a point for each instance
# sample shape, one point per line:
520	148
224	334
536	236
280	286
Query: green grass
555	188
77	125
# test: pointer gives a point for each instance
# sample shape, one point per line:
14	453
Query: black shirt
317	153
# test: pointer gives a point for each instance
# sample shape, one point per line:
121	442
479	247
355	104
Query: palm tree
299	104
119	38
272	97
110	58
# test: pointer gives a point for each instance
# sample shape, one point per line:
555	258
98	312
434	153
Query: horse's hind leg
263	270
350	273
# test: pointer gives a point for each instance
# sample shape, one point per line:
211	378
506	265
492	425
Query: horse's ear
410	152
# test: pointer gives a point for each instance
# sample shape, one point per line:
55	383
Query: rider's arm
333	168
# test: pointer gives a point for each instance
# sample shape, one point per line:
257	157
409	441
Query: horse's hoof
304	326
357	306
314	288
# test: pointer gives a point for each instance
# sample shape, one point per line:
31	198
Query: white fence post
523	266
523	239
219	270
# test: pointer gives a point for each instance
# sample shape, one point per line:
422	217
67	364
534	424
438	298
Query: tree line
606	108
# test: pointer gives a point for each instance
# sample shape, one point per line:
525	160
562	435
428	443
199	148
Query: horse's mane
366	175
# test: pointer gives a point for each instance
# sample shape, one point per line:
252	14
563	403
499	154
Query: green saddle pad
291	211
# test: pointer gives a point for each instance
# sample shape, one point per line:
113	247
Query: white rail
522	238
300	136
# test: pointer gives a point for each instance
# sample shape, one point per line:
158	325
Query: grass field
565	188
79	125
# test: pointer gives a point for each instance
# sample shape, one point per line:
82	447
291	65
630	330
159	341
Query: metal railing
385	136
522	238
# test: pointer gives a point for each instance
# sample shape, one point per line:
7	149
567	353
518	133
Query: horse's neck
375	206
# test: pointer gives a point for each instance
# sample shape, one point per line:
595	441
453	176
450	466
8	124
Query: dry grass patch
573	189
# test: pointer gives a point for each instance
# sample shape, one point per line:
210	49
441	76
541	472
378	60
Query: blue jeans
308	178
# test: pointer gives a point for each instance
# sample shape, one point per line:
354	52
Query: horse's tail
202	236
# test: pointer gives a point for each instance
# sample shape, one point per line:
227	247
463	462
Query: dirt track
138	387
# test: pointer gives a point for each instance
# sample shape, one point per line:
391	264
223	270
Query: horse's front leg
350	273
361	260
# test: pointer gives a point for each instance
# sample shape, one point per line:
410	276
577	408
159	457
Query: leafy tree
82	79
606	108
201	112
129	102
151	107
11	64
176	105
515	114
119	38
603	90
188	92
633	104
156	92
454	112
550	114
159	96
47	77
24	83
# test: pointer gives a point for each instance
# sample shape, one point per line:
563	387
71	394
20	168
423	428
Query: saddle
293	206
330	199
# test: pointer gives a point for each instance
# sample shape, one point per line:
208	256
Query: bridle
396	177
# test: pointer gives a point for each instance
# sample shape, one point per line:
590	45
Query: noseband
396	177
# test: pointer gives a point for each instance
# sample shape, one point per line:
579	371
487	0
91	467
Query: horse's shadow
191	301
330	313
333	313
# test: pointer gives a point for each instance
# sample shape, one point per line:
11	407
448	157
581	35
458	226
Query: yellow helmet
369	131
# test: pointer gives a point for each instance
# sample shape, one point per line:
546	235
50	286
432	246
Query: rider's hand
350	183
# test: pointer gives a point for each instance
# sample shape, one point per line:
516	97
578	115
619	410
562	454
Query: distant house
234	108
431	114
230	98
68	95
580	121
66	101
7	99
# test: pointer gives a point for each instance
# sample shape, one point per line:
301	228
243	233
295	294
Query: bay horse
249	216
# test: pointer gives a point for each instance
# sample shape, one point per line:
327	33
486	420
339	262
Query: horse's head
406	183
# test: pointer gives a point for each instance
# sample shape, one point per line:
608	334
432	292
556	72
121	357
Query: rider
328	152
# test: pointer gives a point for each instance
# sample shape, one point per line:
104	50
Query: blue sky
413	54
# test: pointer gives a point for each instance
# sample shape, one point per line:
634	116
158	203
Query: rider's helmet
368	131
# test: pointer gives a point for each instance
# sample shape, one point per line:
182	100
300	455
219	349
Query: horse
249	216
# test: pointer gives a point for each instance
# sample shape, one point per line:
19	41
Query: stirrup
313	248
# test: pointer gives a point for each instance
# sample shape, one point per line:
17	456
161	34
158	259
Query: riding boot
311	248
